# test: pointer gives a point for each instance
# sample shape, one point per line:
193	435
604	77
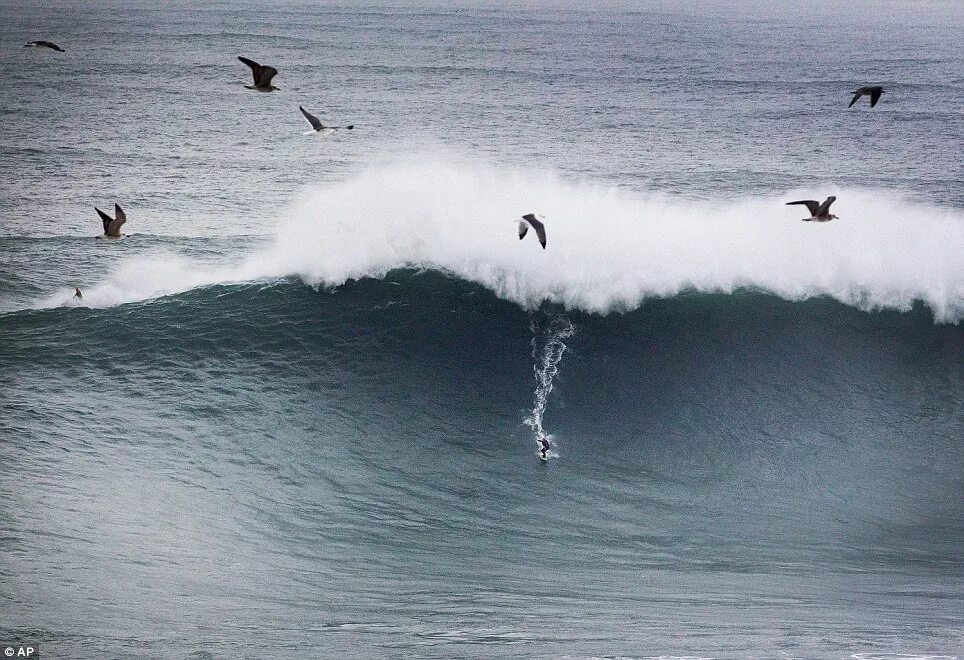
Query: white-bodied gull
531	219
318	127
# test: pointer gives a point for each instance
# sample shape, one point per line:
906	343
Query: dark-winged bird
112	225
873	91
45	44
317	126
818	212
530	219
262	75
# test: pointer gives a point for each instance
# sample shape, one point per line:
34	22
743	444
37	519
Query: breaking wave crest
609	249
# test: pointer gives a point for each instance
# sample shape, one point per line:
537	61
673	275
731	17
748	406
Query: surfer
544	447
77	293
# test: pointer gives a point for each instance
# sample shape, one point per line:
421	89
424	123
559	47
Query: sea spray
548	347
609	249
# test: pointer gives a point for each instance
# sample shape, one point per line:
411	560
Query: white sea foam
548	347
609	249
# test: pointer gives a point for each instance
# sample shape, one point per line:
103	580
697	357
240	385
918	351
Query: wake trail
548	347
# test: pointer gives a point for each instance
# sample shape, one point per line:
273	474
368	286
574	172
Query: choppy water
295	414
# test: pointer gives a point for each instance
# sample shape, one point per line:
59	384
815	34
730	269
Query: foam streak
546	365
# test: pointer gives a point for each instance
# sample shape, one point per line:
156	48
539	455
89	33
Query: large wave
609	249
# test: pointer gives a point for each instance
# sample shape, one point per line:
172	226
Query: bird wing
314	121
541	233
538	226
106	218
256	69
823	208
812	205
523	229
115	225
857	95
875	96
267	73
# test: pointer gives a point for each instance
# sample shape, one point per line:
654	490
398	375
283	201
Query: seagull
873	91
317	126
262	75
530	219
45	44
112	225
818	212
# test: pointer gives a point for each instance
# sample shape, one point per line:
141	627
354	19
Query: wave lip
609	249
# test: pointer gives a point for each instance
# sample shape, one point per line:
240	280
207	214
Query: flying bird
873	91
45	44
818	212
530	219
262	75
112	225
317	126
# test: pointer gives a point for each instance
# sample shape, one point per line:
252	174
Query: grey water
267	463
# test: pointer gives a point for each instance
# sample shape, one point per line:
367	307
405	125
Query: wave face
609	249
330	441
740	379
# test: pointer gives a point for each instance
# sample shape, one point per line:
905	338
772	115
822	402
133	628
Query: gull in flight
112	225
873	91
318	127
45	44
262	75
530	219
818	212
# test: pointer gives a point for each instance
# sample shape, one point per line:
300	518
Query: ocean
296	412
